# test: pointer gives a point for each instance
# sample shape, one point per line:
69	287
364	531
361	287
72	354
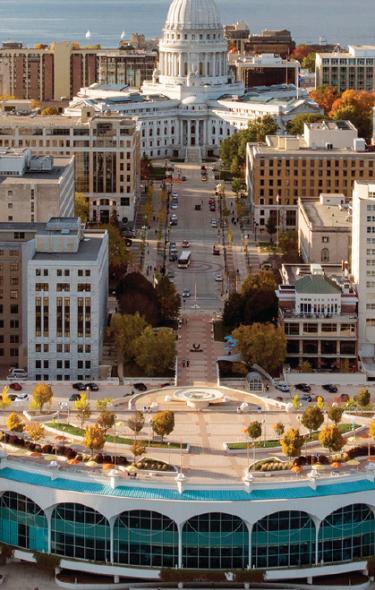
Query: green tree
81	207
125	330
363	397
288	243
155	351
82	407
308	62
236	185
264	280
119	255
331	438
169	299
15	422
163	423
254	431
233	311
335	413
292	443
312	418
94	438
41	395
102	404
296	125
136	422
137	294
106	420
262	344
271	227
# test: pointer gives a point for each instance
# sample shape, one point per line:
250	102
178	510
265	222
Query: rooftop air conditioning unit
329	146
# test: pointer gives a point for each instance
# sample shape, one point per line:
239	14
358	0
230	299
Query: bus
184	259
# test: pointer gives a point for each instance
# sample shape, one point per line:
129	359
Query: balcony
337	317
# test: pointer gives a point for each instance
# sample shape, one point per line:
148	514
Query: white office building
66	286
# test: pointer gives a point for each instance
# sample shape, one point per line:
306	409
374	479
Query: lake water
32	21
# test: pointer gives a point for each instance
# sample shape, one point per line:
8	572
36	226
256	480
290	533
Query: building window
324	255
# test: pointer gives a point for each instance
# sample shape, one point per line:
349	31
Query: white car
16	374
174	195
22	397
213	223
218	277
174	205
284	387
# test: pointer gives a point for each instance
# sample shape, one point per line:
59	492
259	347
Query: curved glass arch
80	532
283	539
347	533
215	540
144	537
22	522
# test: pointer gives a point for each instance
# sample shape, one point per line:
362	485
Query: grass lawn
76	430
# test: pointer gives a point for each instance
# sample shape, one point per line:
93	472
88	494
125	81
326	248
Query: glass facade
80	532
142	537
283	539
346	534
22	523
215	540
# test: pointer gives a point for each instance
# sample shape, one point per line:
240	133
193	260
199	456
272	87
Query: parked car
172	257
186	244
79	386
329	387
303	387
216	250
186	293
140	386
92	386
284	387
213	223
306	398
22	397
218	277
170	274
17	374
174	195
74	397
15	386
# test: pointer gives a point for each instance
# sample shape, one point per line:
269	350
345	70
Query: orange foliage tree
325	96
355	106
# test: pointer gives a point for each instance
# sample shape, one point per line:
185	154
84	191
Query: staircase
193	155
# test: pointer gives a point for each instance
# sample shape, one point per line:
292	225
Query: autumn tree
371	429
162	423
325	96
35	431
263	279
320	402
42	394
261	344
155	351
363	397
102	404
138	448
136	422
292	442
15	422
168	298
355	106
278	428
301	51
305	367
106	420
295	402
288	244
82	407
94	438
335	413
48	111
331	438
5	400
81	207
312	418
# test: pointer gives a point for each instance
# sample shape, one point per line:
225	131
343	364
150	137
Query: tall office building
354	69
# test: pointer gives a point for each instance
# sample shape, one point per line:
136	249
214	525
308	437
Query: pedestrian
188	364
183	364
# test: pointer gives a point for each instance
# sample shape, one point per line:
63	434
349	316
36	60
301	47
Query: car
79	386
174	205
172	222
329	387
22	397
284	387
140	386
170	274
184	178
173	250
92	386
212	208
167	384
172	257
216	250
17	374
186	244
213	223
204	178
174	195
197	207
211	201
303	387
129	233
75	397
15	386
306	398
186	293
218	277
174	216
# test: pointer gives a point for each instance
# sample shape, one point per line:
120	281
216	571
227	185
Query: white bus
184	259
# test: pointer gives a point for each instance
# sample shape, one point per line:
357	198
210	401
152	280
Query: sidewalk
26	577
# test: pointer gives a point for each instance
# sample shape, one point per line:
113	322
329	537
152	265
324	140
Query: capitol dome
193	14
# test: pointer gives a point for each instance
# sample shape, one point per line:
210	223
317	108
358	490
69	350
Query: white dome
193	14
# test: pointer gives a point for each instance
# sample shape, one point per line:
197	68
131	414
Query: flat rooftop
54	175
330	217
88	250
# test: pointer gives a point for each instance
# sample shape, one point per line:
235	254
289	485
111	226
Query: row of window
62	272
61	364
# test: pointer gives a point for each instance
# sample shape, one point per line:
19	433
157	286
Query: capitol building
193	101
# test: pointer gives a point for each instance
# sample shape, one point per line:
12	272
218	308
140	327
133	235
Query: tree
371	429
363	397
331	438
94	438
81	207
335	413
163	423
296	125
254	431
355	106
236	185
82	407
288	243
278	428
295	401
155	351
5	400
301	51
106	420
125	330
35	431
41	395
48	111
325	96
136	294
119	255
292	443
263	279
320	402
271	227
305	367
312	418
103	403
137	449
15	422
260	305
308	62
261	344
136	422
169	299
233	311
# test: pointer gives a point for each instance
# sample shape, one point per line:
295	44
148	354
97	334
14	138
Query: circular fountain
199	399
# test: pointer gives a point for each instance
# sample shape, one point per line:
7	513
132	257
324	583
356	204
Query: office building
319	317
265	70
126	66
324	229
66	298
105	148
326	159
35	188
354	69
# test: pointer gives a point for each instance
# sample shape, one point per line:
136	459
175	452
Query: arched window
283	539
324	255
142	537
215	541
80	532
346	534
22	522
